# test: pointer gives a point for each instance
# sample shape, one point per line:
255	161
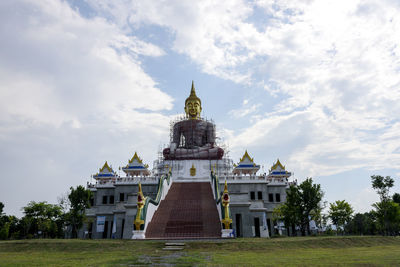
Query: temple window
111	199
259	195
252	195
121	197
278	197
271	197
104	200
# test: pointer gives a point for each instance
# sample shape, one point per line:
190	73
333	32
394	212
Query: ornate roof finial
192	95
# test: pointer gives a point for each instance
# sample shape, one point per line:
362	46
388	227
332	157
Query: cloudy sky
313	83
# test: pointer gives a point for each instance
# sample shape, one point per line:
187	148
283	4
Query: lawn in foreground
305	251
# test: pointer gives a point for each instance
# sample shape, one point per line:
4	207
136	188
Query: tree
44	219
8	224
64	202
310	203
4	227
4	230
340	213
362	224
386	211
382	186
303	203
14	227
1	208
396	198
79	199
388	217
290	210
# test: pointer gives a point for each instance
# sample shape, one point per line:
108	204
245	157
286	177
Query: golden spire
192	95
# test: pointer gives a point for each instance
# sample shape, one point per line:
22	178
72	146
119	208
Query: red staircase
188	211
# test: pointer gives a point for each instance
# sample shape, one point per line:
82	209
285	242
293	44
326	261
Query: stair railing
146	206
216	192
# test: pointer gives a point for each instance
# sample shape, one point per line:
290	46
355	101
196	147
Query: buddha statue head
193	105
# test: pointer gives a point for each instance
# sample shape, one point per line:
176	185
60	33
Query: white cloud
211	33
246	109
73	93
331	66
336	62
58	66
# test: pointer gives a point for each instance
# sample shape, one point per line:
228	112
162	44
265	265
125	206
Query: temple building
194	190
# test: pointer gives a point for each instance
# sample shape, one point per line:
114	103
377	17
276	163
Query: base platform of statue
192	170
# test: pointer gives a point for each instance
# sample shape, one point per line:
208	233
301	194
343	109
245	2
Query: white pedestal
181	170
138	234
227	233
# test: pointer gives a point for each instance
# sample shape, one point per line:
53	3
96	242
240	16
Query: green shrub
4	231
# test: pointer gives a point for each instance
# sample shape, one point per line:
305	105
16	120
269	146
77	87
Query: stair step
173	248
174	244
188	211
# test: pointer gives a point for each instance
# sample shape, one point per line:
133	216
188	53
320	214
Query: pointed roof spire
192	91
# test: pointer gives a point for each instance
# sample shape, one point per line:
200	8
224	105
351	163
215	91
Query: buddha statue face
193	104
193	108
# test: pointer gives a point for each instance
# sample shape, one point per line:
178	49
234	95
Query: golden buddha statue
193	138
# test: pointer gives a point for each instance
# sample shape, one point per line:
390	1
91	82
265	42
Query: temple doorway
238	225
105	229
122	228
257	226
90	229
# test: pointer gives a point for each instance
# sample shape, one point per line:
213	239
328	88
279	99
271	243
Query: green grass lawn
303	251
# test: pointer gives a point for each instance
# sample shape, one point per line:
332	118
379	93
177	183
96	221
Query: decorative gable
278	170
246	165
105	172
136	167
